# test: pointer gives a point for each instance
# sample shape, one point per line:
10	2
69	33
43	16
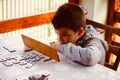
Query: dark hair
70	16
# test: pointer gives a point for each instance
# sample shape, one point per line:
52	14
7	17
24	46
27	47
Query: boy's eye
65	34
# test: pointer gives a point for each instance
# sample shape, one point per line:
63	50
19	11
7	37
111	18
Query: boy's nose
60	39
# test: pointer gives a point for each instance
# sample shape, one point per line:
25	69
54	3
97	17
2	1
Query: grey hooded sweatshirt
90	49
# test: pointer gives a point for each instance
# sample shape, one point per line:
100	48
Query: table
63	70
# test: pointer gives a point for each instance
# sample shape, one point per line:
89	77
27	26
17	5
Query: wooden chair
116	51
113	49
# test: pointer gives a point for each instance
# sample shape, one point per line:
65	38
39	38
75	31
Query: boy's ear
85	11
81	31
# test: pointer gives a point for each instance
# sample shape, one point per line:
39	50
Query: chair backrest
113	49
105	27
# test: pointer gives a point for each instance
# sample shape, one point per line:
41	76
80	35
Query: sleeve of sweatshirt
89	55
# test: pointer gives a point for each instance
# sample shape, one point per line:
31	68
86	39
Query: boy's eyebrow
65	33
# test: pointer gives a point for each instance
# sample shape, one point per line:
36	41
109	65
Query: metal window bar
10	9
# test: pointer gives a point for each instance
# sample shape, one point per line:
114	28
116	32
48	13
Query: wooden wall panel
25	22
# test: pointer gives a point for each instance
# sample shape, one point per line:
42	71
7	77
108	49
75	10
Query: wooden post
109	37
73	1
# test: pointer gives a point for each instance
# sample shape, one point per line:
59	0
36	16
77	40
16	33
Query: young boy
76	40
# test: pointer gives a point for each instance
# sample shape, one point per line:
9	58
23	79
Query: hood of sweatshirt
92	33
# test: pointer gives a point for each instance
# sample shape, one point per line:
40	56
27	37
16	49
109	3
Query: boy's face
66	35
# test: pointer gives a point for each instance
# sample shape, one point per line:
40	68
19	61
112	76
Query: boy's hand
54	45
